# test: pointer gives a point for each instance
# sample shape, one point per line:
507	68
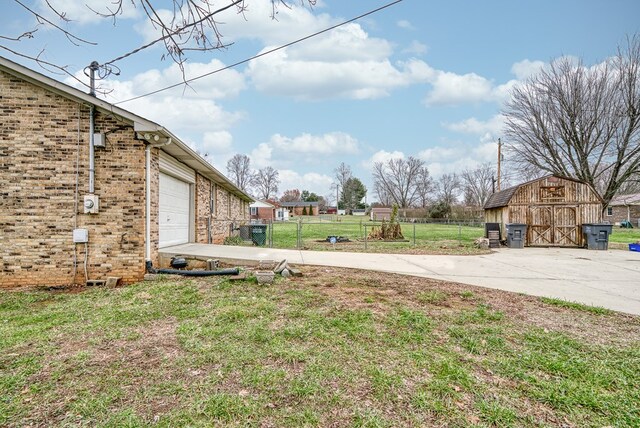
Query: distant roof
621	200
298	204
261	204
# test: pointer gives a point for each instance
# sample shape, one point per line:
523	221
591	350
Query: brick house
624	208
60	222
263	211
297	207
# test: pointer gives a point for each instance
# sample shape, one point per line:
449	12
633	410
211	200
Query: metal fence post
365	237
459	233
414	233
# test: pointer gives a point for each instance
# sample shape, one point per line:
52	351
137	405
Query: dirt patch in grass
376	290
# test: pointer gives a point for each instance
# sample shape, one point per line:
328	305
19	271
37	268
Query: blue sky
420	78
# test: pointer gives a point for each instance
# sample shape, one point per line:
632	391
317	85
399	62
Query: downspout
92	170
92	91
147	239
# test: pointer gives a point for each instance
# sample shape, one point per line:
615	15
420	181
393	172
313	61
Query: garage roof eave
176	148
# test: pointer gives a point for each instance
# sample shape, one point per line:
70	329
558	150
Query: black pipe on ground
232	271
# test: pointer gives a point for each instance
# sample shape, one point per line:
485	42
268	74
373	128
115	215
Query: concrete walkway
610	279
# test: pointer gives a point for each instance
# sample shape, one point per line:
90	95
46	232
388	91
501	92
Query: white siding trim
170	165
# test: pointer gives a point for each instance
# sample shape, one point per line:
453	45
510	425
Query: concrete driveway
610	279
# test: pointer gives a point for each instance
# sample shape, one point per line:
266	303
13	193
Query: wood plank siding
554	209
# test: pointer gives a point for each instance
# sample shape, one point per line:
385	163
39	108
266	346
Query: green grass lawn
429	237
625	236
334	348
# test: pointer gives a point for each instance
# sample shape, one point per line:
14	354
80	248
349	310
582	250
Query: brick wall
41	137
203	208
229	211
621	213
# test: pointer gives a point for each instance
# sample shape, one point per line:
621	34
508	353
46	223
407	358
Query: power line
270	51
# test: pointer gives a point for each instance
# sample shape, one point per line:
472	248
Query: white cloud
278	74
438	154
261	155
478	127
525	68
406	25
382	156
311	181
84	12
218	142
306	149
416	48
453	89
327	144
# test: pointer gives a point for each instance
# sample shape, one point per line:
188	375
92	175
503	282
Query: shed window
609	211
254	210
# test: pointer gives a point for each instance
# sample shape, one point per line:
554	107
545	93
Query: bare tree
384	198
477	184
291	195
265	182
425	188
447	188
239	170
193	26
342	173
400	179
580	122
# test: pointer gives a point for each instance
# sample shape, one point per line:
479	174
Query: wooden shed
554	208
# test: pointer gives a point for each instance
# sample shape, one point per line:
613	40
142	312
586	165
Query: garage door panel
173	211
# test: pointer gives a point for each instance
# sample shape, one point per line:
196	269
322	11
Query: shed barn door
553	226
565	229
541	225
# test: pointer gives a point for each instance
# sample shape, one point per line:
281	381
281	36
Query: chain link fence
332	232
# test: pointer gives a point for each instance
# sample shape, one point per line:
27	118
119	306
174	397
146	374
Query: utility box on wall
91	204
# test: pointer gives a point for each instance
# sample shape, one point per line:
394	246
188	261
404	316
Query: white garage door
174	211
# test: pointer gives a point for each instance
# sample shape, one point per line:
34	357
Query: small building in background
300	208
624	208
265	212
381	213
554	209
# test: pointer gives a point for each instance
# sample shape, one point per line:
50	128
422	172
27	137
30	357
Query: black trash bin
259	234
597	235
516	235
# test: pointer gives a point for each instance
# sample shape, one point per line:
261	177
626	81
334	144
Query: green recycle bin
259	234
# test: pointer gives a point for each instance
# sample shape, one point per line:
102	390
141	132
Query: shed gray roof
501	198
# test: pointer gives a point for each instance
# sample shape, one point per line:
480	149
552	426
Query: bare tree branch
266	181
581	122
239	170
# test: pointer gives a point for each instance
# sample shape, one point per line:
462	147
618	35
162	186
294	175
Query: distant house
298	207
263	211
358	212
624	208
379	214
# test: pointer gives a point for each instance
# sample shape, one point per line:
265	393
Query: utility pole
499	160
